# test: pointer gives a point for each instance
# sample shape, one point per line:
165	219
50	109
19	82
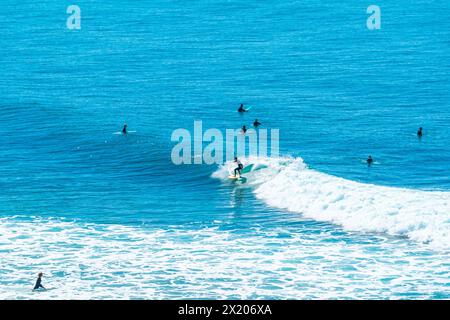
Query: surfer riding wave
288	183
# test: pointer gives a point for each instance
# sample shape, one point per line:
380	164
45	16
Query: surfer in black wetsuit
239	167
420	133
241	109
256	124
244	129
124	130
369	161
38	284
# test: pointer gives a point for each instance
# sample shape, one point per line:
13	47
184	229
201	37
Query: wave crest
287	183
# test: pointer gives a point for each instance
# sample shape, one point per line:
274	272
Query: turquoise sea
109	216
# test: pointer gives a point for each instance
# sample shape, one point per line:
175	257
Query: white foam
287	183
92	261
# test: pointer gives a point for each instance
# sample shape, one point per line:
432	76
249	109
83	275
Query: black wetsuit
239	168
124	130
256	124
369	161
241	109
38	284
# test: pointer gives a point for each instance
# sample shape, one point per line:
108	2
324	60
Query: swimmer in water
256	124
369	161
124	130
38	284
244	129
420	132
241	109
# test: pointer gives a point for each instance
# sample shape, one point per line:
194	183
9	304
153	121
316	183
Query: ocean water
105	215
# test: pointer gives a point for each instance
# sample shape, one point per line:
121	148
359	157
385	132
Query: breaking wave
287	183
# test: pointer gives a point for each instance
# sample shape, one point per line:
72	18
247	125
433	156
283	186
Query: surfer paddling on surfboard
239	167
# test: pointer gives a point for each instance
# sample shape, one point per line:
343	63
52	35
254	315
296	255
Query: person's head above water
40	274
235	159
